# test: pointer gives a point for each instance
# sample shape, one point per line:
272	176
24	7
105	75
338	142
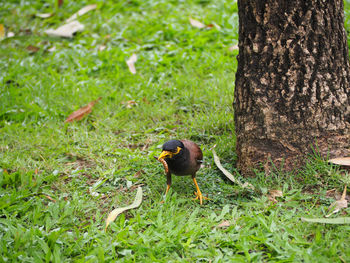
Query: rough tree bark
292	82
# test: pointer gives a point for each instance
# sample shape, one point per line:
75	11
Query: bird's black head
171	148
172	145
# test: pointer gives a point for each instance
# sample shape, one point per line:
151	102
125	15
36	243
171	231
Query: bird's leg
168	182
198	193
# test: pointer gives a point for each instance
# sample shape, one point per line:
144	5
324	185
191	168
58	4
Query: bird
183	157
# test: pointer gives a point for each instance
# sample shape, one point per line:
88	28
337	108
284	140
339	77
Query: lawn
59	181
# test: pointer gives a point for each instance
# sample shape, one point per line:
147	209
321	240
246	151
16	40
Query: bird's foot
200	197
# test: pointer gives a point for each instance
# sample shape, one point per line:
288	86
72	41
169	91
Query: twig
344	194
49	197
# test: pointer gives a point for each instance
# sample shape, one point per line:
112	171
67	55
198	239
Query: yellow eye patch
168	153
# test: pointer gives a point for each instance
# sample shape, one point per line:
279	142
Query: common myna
182	158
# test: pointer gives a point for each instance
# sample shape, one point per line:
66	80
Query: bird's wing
196	152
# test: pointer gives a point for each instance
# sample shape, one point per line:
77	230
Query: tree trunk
292	82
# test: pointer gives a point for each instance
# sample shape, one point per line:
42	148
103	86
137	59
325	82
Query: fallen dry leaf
81	12
45	15
2	31
79	114
129	104
273	194
224	224
32	49
214	25
337	221
50	198
66	30
338	205
332	193
131	63
101	48
113	215
139	173
26	31
228	174
343	161
196	23
52	49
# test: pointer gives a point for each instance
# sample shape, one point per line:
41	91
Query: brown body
192	162
182	158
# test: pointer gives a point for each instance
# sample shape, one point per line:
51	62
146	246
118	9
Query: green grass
183	89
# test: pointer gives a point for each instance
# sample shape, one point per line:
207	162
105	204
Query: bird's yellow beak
165	154
168	153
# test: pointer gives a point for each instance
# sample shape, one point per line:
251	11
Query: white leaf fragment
44	15
228	174
338	205
81	12
113	215
66	30
196	23
131	63
273	194
345	161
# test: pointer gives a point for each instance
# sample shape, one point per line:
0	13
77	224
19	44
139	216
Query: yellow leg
167	188
198	193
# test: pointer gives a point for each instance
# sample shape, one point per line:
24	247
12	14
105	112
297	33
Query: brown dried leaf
81	12
32	49
82	112
131	63
139	173
144	99
331	192
196	23
67	30
273	194
214	25
50	198
224	224
338	205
